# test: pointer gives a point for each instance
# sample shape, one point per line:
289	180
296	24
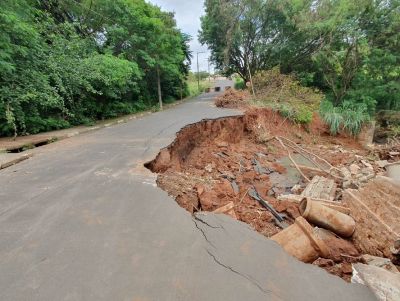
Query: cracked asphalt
84	220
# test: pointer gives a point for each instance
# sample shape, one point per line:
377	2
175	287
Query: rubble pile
232	99
296	187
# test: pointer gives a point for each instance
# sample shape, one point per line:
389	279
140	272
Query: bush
239	84
348	117
286	95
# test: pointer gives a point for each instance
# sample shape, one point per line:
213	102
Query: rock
209	168
354	169
199	189
394	154
346	173
367	171
347	268
367	164
396	248
290	197
261	155
382	163
384	284
235	187
228	209
380	262
227	175
296	189
323	262
346	184
222	144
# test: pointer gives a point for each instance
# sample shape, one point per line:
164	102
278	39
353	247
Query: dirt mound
232	99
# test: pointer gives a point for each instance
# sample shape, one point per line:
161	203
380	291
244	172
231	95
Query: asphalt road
84	220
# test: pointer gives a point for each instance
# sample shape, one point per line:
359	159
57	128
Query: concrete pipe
327	218
301	241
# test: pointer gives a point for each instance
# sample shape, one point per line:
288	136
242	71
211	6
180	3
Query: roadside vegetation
71	62
193	86
342	55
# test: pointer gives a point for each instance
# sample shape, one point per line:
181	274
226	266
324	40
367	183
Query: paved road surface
84	220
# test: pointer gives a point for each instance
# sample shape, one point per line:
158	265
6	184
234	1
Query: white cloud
187	14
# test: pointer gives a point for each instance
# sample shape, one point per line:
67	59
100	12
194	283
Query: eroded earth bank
228	165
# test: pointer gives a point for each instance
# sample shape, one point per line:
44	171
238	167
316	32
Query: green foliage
347	49
273	86
192	85
347	117
240	84
285	94
65	63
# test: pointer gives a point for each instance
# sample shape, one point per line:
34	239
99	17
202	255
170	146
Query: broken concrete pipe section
300	240
223	166
327	218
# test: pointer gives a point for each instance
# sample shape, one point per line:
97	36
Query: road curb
15	161
56	138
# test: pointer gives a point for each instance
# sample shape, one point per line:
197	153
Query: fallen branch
291	159
299	149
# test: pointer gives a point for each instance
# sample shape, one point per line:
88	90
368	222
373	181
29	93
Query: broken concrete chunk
384	284
345	172
380	262
320	188
228	209
393	171
296	189
367	164
382	163
259	169
354	169
290	197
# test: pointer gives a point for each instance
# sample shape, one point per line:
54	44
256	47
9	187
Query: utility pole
198	71
209	73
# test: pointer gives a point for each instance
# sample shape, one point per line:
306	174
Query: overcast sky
187	14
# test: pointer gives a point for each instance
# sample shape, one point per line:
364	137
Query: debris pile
290	185
232	98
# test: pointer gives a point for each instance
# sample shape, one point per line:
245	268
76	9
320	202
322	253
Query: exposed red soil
211	164
232	99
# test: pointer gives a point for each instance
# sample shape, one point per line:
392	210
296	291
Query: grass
348	117
193	88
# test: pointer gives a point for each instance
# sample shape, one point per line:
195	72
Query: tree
70	62
348	49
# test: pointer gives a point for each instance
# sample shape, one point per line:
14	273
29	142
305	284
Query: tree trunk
159	88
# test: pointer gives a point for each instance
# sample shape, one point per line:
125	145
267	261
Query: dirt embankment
214	162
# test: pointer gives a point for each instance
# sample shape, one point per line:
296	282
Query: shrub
239	84
347	117
285	94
